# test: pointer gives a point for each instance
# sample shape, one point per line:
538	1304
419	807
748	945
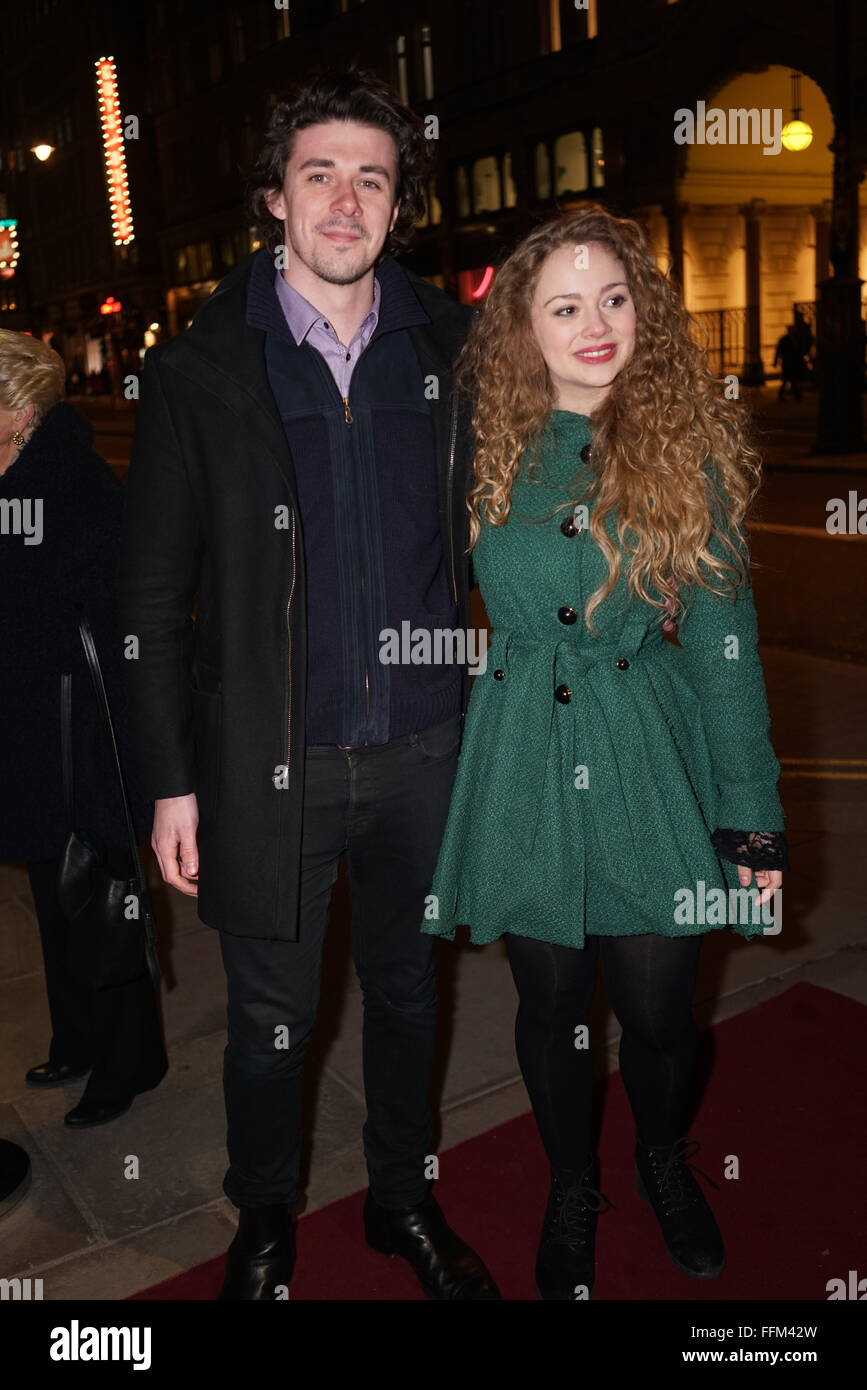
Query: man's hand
173	841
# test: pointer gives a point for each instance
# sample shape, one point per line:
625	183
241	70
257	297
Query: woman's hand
767	881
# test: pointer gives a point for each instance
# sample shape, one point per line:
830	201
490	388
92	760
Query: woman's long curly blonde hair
662	421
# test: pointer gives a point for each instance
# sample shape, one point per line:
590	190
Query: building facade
535	105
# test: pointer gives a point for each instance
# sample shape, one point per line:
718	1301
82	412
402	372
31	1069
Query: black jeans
116	1031
650	982
385	808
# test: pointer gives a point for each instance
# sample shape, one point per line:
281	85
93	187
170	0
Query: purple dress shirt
304	321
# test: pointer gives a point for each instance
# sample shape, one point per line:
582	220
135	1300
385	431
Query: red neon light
485	284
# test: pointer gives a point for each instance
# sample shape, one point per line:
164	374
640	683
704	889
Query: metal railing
724	334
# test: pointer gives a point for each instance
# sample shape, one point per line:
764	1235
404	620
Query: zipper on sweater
366	677
347	412
289	656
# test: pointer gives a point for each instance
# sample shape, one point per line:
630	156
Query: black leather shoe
691	1234
566	1258
261	1259
446	1267
53	1074
96	1112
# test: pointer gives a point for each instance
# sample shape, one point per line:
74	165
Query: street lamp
797	134
42	152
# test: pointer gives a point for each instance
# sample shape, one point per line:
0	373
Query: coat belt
537	666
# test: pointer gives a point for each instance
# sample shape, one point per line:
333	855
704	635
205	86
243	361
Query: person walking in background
61	511
790	357
607	776
804	338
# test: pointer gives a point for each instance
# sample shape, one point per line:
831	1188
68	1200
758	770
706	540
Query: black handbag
111	922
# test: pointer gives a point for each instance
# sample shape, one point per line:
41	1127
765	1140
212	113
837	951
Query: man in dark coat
299	469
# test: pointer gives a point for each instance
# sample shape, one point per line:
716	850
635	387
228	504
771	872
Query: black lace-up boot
691	1234
565	1262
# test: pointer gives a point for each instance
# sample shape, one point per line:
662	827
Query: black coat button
567	615
568	527
499	675
585	453
563	694
622	664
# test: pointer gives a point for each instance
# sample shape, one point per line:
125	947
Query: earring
17	439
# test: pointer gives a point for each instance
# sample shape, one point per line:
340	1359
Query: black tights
650	982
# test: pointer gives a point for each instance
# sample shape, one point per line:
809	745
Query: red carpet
786	1097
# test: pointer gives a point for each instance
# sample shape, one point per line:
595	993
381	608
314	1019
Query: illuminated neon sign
115	156
482	289
8	246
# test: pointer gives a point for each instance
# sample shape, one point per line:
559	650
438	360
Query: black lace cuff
757	849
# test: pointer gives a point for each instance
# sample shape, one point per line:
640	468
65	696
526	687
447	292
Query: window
400	48
433	213
427	61
597	167
555	37
486	185
509	195
570	161
543	171
283	29
462	192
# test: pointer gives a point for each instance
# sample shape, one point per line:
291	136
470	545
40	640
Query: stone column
753	372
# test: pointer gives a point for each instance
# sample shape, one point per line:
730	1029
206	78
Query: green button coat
592	810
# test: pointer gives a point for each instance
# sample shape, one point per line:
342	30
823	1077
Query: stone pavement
89	1233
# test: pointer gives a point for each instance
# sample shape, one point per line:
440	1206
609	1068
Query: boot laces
677	1187
576	1206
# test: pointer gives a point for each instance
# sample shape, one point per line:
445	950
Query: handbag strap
90	653
66	746
102	697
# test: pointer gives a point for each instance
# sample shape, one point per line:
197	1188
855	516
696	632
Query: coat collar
55	447
224	347
399	306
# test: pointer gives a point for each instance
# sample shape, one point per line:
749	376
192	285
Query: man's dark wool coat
212	522
40	586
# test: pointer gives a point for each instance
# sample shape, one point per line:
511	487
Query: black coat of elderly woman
60	511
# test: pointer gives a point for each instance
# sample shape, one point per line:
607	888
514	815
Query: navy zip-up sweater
367	492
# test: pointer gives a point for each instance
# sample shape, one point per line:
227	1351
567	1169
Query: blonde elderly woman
60	510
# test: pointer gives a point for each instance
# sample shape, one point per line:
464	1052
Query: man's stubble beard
331	274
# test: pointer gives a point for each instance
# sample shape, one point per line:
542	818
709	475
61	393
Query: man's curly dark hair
347	94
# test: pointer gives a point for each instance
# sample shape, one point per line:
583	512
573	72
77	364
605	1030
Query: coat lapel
226	355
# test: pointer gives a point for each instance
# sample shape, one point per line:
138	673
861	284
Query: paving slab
48	1222
123	1267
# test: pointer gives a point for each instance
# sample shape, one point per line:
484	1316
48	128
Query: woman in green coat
615	792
